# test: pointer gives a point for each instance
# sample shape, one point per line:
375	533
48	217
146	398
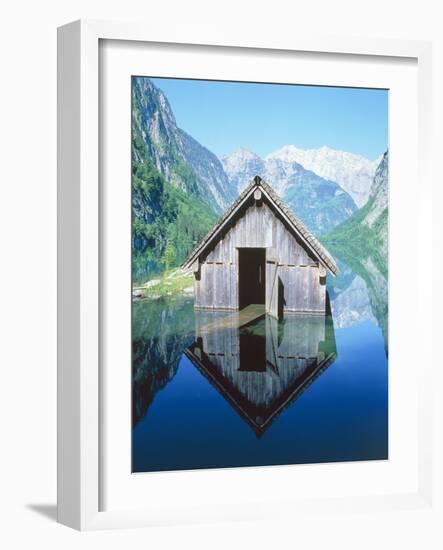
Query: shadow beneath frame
48	511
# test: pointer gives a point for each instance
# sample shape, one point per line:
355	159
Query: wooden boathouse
260	253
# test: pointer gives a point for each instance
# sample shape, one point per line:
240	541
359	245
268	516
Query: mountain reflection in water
210	393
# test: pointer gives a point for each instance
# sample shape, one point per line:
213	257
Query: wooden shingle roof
294	224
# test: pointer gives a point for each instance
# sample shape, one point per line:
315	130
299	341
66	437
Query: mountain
353	173
361	242
178	186
321	204
241	166
182	161
379	195
365	233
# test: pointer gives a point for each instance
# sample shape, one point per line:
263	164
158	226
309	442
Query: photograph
259	274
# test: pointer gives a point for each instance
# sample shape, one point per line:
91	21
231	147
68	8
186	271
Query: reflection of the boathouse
263	366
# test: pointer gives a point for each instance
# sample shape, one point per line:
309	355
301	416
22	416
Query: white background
28	274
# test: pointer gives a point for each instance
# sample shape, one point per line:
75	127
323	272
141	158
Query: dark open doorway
252	273
252	352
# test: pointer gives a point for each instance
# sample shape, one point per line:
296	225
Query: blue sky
223	116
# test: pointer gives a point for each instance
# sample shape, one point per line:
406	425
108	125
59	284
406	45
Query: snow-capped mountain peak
354	173
239	157
241	166
287	153
242	152
303	190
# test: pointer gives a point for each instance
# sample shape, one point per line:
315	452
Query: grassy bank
171	282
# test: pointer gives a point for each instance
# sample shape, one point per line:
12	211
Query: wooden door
272	287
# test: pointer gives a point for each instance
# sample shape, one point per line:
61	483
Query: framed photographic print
238	231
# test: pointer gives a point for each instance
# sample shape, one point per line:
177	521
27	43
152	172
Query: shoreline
172	282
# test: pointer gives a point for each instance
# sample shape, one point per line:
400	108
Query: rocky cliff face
321	204
241	166
377	216
178	186
365	233
362	243
379	193
354	173
177	156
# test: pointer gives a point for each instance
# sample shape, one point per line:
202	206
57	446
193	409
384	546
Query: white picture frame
79	259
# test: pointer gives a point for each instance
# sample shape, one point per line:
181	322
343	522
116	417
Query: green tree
169	256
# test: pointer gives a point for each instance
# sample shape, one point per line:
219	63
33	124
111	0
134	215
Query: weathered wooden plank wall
216	285
272	294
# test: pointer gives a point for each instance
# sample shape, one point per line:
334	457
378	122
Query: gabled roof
297	227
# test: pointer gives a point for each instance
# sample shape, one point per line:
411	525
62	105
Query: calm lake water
210	394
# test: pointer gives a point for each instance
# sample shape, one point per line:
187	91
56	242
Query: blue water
184	421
